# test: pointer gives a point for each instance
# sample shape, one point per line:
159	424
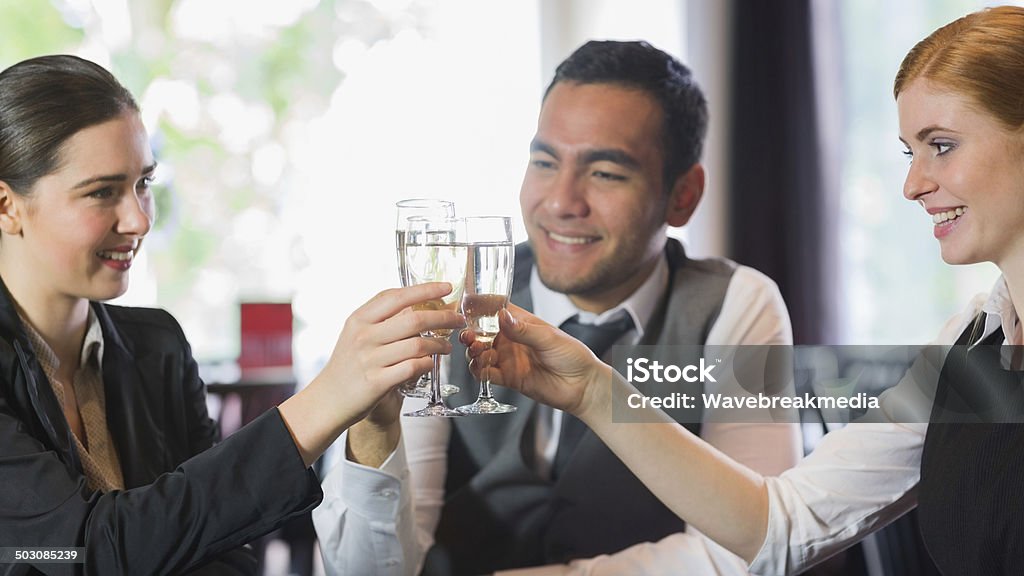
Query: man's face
593	198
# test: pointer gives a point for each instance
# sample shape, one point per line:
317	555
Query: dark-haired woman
105	442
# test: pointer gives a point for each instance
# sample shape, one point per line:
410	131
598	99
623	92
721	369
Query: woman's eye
942	147
102	193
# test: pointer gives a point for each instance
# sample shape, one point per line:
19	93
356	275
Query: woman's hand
379	348
539	360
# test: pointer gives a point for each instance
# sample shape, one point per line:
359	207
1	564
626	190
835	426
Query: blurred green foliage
284	72
32	28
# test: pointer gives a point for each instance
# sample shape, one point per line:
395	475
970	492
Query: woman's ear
685	195
10	214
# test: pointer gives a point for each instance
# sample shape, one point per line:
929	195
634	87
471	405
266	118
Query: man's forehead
587	117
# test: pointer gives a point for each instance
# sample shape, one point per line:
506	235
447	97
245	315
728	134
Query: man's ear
685	195
10	211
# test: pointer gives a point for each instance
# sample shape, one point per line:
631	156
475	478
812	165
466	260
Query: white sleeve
382	521
753	313
682	553
859	478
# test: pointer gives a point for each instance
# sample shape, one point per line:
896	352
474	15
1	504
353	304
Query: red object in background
266	337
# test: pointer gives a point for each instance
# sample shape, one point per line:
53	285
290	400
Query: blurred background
286	131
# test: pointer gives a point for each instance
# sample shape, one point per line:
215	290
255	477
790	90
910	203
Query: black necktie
598	338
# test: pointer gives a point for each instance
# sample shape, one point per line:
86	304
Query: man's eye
609	176
102	193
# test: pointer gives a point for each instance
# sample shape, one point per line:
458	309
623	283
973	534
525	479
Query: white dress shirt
382	521
865	475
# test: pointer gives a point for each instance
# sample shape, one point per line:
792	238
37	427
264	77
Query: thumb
521	327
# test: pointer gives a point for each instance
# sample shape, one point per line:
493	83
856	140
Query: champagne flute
405	209
435	251
488	287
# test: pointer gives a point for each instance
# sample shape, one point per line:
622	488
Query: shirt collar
555	307
999	311
92	344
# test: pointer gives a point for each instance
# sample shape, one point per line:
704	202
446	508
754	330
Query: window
895	287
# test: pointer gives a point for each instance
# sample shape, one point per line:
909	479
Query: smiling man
614	163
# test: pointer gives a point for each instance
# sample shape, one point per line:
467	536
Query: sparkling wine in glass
412	208
488	286
436	251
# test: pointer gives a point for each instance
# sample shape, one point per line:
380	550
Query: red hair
980	56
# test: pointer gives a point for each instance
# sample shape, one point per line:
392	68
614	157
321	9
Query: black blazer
185	502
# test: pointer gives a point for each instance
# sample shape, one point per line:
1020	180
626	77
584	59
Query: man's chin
569	284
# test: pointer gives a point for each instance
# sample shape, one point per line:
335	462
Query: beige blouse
99	458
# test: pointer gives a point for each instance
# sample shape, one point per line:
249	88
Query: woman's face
81	226
967	172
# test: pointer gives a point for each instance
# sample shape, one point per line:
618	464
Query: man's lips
572	239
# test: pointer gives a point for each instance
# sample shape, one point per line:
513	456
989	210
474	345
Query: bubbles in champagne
481	312
490	271
437	304
437	260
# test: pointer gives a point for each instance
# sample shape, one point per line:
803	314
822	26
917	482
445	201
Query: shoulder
143	318
756	282
753	311
752	285
957	323
722	268
145	326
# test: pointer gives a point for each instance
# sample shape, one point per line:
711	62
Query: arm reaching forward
721	498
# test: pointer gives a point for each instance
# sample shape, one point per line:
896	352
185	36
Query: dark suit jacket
186	501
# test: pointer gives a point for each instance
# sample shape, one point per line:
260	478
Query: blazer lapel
130	415
30	387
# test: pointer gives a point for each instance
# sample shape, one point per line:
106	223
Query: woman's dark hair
43	102
643	67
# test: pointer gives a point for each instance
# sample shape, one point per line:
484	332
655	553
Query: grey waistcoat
500	514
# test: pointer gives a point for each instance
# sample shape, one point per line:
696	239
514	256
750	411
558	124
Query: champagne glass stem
485	383
435	382
485	401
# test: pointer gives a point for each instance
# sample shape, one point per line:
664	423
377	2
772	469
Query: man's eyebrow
112	177
615	155
541	146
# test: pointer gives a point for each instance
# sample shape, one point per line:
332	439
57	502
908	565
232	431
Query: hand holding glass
435	251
